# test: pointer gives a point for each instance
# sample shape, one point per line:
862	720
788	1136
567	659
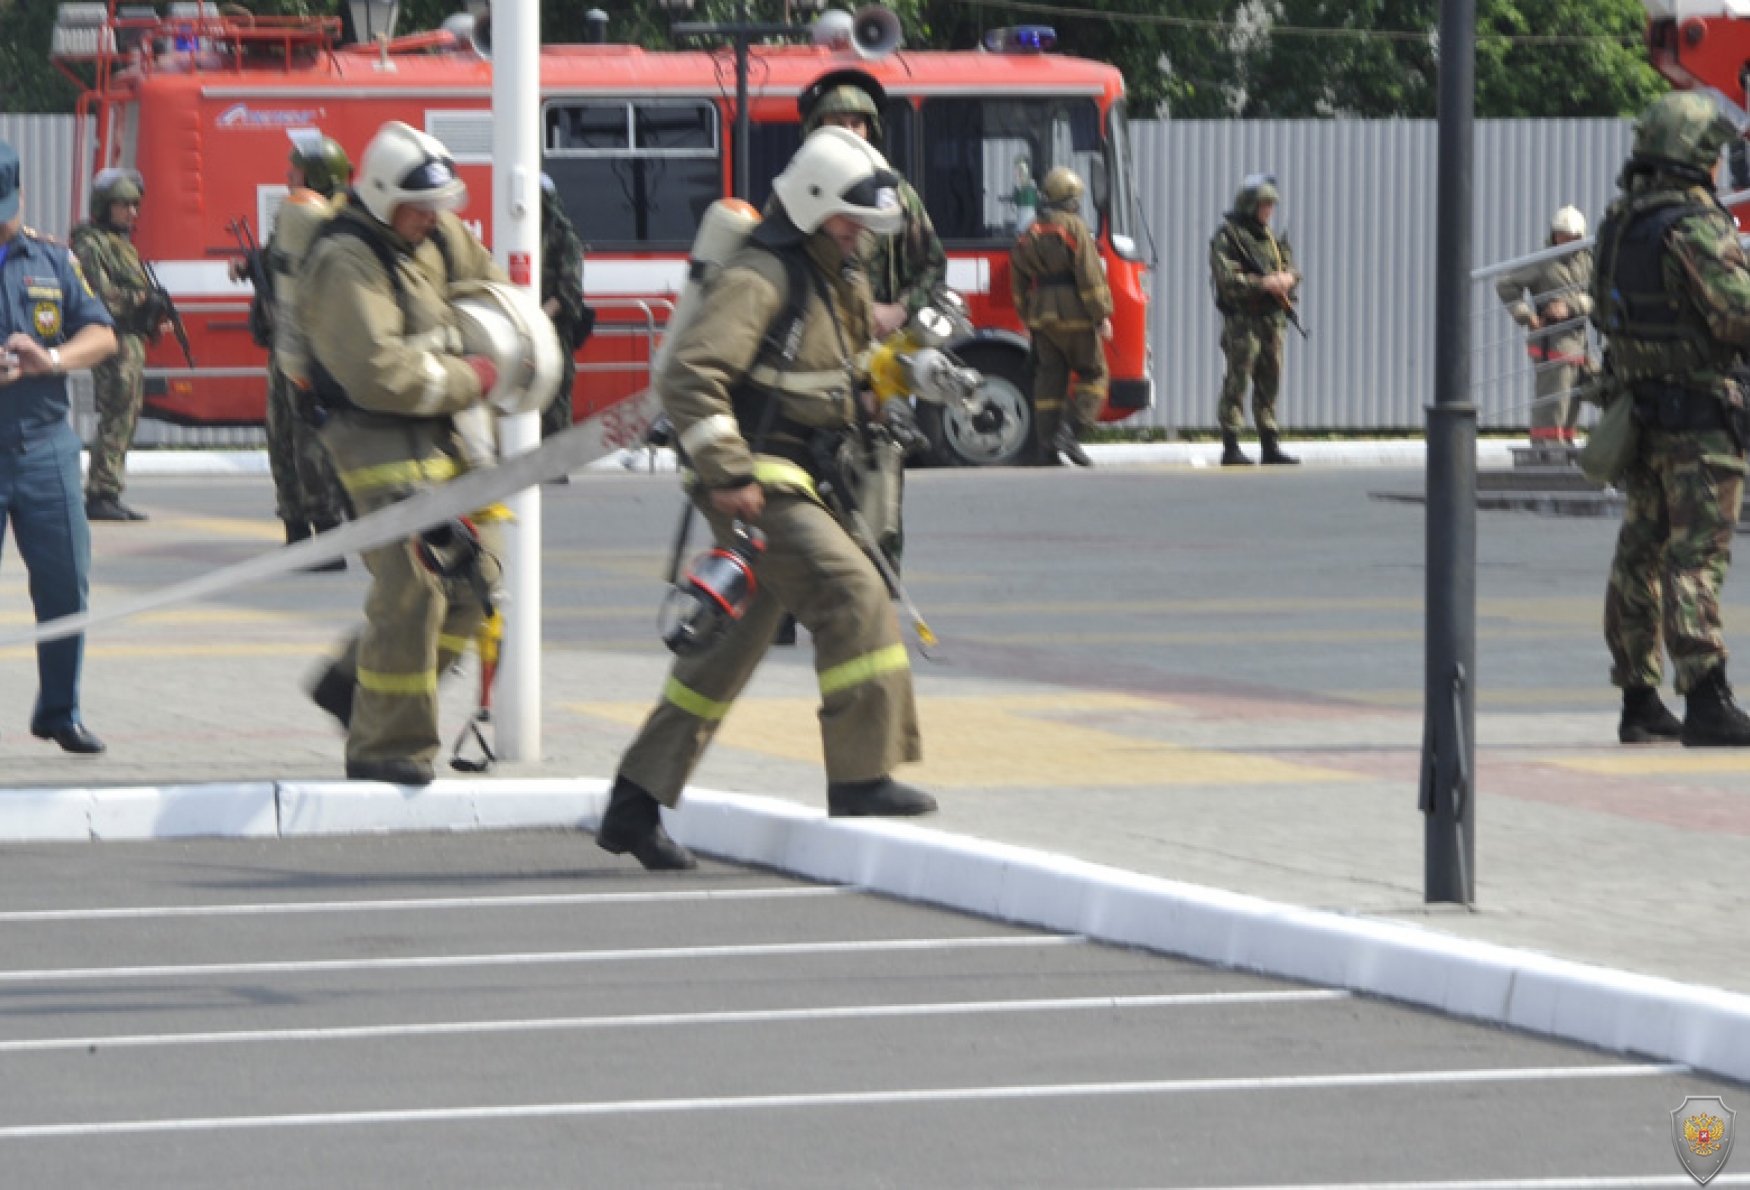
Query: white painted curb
1706	1028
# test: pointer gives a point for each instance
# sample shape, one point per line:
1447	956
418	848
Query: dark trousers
40	499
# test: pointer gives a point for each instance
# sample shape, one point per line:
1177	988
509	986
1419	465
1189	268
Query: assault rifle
168	306
1256	267
261	307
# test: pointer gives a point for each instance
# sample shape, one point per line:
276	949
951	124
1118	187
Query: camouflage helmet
112	186
1256	190
843	92
1683	128
325	166
1062	188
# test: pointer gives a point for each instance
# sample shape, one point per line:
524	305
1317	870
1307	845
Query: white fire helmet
836	172
1568	222
404	166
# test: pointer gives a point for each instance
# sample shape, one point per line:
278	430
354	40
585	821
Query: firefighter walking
1550	300
386	364
111	263
1060	292
760	417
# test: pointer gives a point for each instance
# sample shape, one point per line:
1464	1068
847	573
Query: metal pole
1448	797
516	243
742	34
741	120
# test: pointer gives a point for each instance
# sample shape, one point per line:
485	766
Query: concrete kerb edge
1705	1028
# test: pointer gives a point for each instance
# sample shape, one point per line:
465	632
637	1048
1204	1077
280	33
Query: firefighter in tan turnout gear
385	362
758	411
1549	299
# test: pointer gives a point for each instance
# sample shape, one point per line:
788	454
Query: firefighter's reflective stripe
862	669
453	644
408	685
491	513
833	383
783	475
711	429
694	703
405	473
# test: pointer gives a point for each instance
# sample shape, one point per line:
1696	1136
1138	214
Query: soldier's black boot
332	566
110	508
332	691
633	823
1713	719
881	798
1065	443
1231	454
1273	454
1646	720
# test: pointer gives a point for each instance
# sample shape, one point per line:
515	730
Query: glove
484	370
901	421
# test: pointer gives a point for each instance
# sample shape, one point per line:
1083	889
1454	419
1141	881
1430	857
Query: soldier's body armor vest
1656	335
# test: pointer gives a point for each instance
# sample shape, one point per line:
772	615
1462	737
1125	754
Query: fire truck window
588	127
676	127
769	149
899	134
984	158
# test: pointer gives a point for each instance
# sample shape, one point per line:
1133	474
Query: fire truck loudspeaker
507	324
871	32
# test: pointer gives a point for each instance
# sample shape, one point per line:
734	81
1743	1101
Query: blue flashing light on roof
1021	39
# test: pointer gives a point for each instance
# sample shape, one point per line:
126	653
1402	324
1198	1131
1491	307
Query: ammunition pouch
1678	410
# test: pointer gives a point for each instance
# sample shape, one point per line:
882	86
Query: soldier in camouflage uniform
1253	272
306	489
562	299
112	265
1552	294
1060	292
1672	298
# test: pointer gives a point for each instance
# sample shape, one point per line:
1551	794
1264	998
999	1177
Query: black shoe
1231	455
73	737
557	481
333	565
395	772
1065	443
881	798
1272	453
786	633
1646	720
333	692
1713	719
633	823
109	508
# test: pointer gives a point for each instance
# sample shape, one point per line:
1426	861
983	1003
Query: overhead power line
1213	26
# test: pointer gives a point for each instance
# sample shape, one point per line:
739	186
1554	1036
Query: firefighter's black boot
1065	443
1713	719
881	798
633	823
1231	454
1646	720
1273	454
333	691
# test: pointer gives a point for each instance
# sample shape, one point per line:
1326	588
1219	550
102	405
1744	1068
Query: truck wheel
1000	437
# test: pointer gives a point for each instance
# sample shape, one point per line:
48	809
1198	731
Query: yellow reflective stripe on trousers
770	472
408	685
694	703
862	669
406	473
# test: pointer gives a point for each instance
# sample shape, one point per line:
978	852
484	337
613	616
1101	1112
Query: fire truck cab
639	143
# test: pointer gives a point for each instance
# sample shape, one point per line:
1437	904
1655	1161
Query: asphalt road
519	1010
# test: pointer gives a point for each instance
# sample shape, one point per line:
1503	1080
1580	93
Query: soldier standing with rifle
1255	281
141	311
1672	299
309	496
562	299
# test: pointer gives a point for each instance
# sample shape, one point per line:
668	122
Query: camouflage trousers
1672	554
306	489
1060	354
119	384
558	415
1253	347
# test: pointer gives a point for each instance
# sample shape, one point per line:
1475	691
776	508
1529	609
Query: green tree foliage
28	83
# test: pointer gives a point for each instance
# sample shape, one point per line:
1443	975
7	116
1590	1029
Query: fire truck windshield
985	157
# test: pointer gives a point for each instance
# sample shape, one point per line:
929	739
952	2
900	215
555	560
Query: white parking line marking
670	1019
632	1107
512	902
426	962
1734	1179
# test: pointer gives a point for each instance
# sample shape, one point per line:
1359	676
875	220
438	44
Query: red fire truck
201	102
